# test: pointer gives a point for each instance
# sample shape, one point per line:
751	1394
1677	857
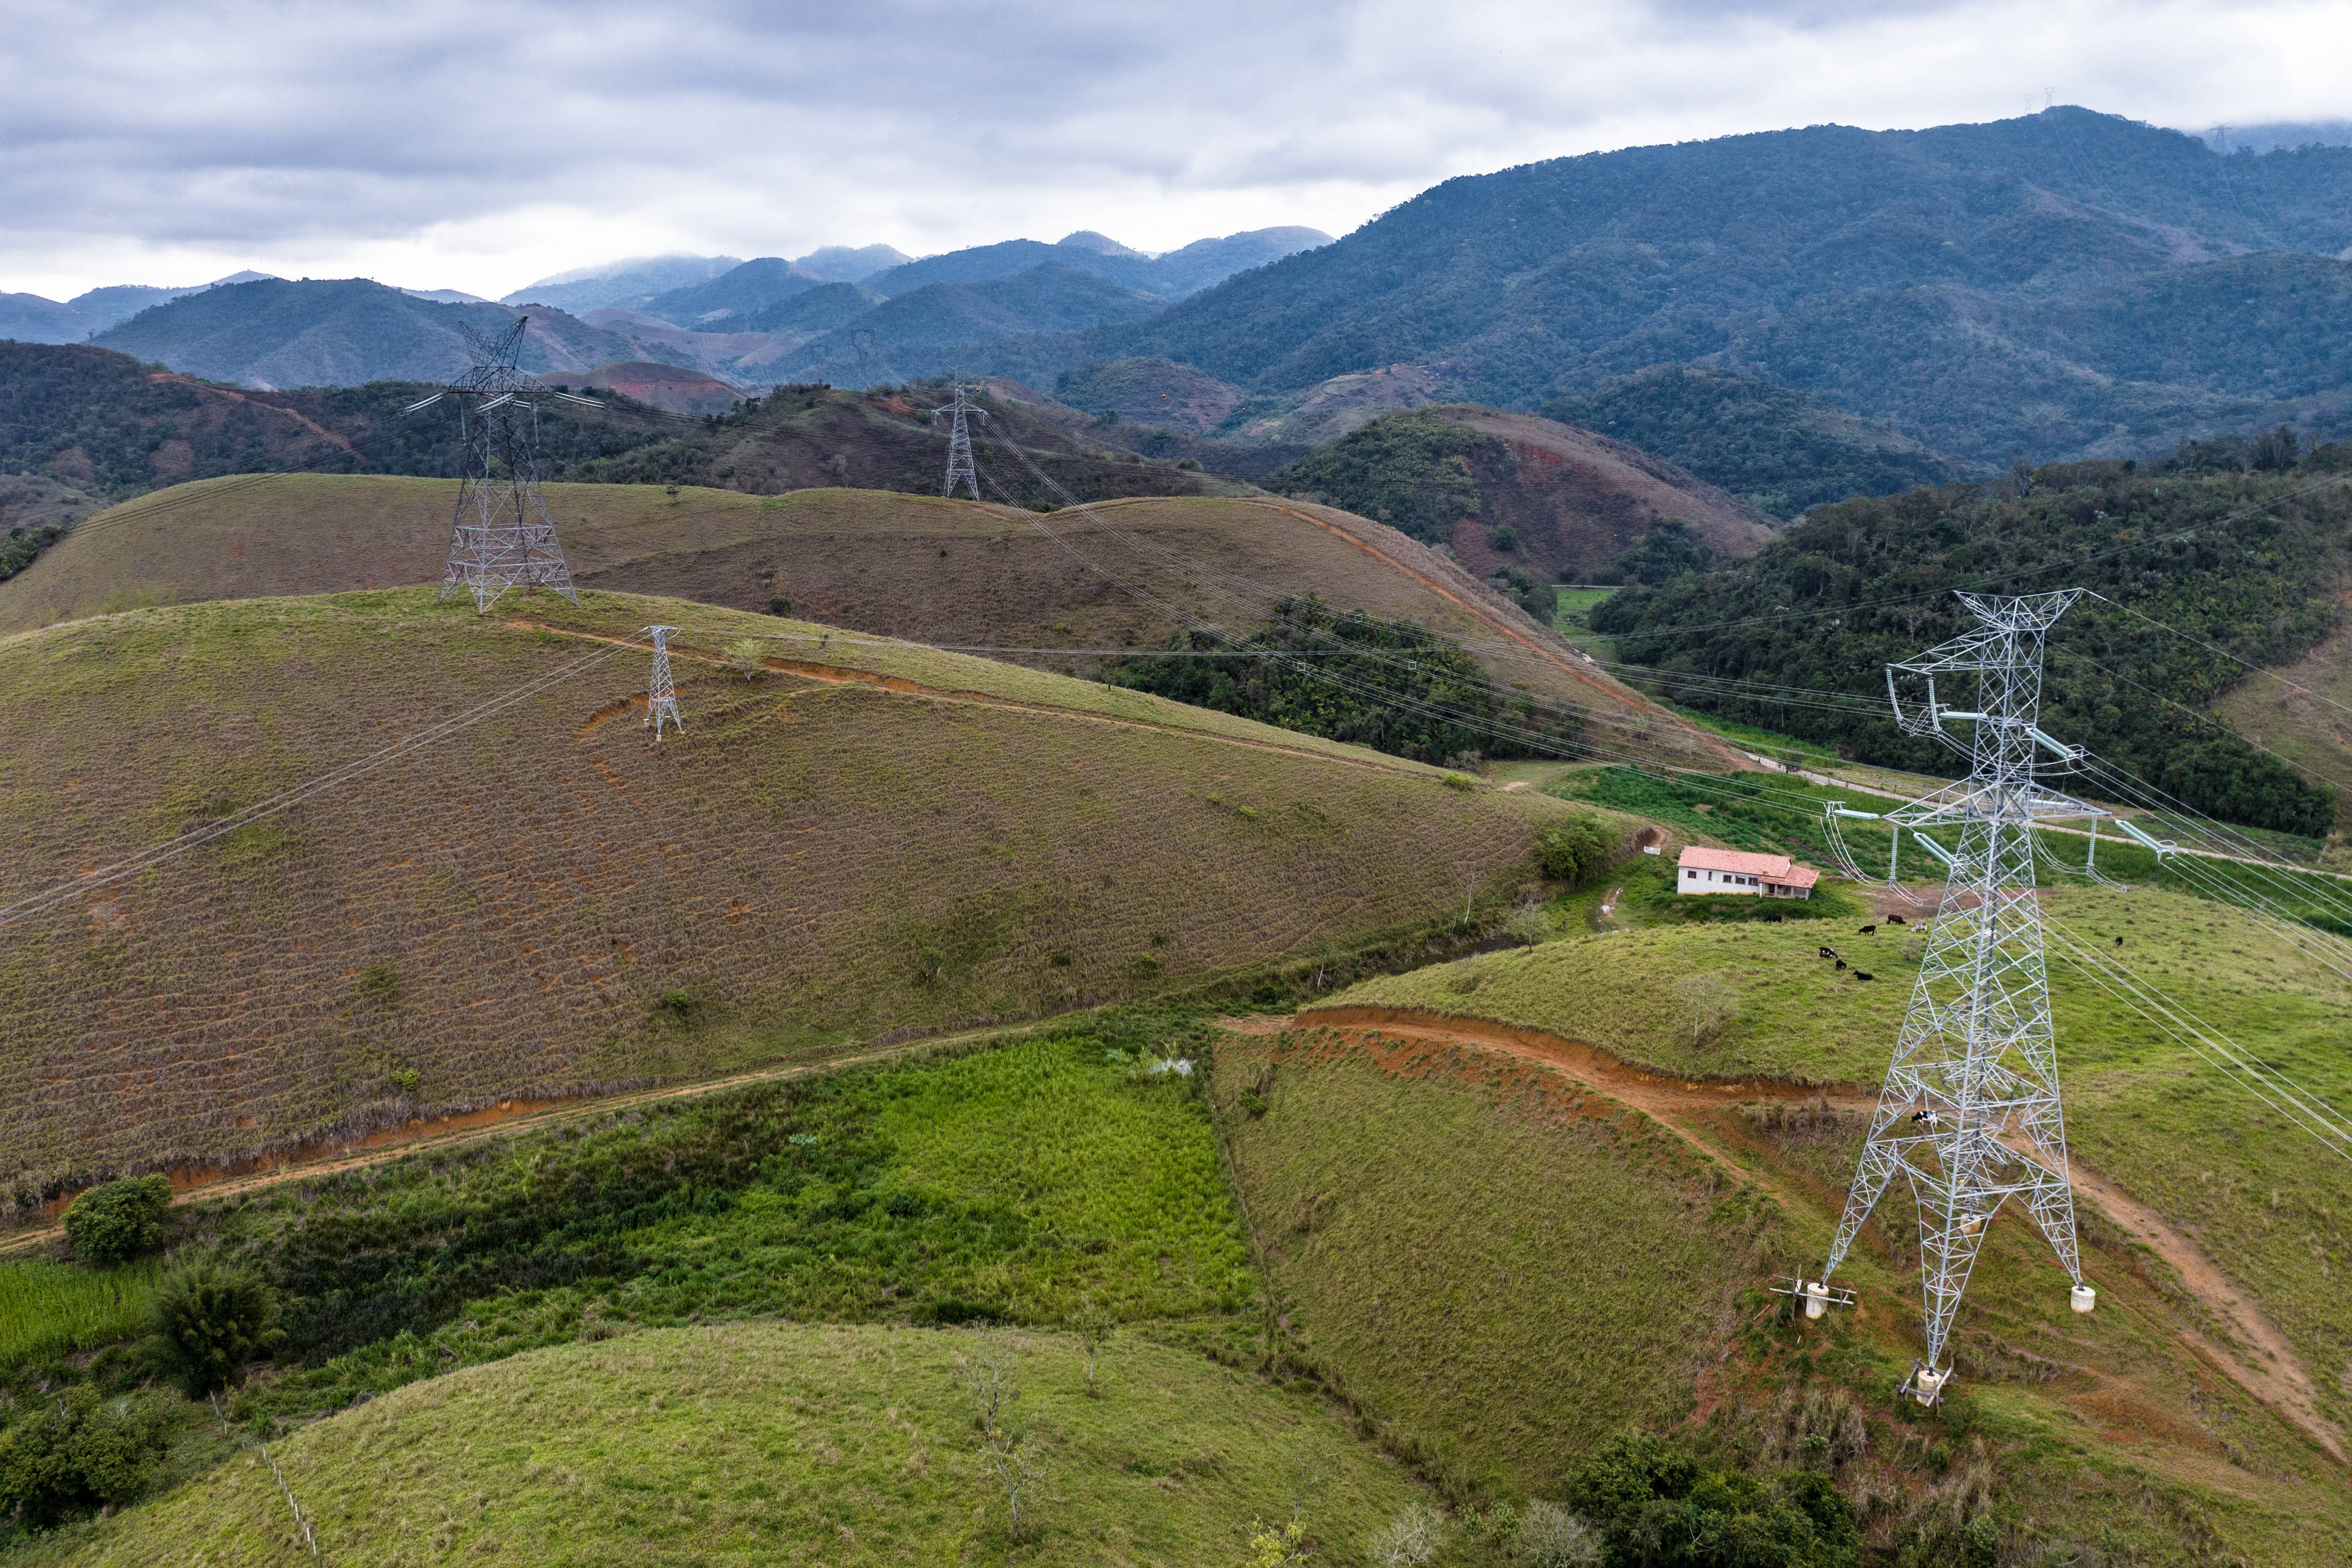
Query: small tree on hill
210	1321
110	1222
77	1451
1094	1326
1013	1464
1412	1539
1709	1001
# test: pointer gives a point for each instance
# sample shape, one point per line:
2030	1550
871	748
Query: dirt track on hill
2268	1369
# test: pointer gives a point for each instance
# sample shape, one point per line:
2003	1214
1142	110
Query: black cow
2120	941
1895	920
1861	975
1870	931
1841	963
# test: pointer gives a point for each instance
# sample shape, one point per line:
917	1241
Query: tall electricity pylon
503	537
661	706
1970	1111
960	463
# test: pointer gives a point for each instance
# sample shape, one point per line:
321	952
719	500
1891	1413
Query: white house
1736	871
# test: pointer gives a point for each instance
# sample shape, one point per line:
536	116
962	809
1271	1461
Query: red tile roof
1735	860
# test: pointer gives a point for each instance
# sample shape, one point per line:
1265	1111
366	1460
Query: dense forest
2240	545
1411	471
1388	684
1783	451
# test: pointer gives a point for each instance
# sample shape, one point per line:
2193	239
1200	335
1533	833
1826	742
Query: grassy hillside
917	566
771	1442
1557	1272
2246	562
851	842
2139	1110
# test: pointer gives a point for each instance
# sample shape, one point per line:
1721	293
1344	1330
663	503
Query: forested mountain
733	294
104	422
273	333
2065	283
2235	546
1169	277
1784	451
628	285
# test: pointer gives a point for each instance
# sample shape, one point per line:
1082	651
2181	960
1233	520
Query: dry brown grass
910	566
547	903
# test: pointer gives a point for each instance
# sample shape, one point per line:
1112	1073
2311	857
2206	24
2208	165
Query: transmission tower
661	706
503	537
1970	1112
960	463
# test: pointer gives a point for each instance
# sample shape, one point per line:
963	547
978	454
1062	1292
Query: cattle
1864	975
1774	920
1829	952
2120	941
1870	931
1895	920
1841	963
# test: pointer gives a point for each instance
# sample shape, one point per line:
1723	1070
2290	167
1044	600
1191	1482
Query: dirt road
2267	1368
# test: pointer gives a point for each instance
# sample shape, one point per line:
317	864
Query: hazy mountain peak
1100	244
845	263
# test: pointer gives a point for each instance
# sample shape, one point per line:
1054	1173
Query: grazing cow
2120	941
1773	920
1870	931
1829	952
1861	975
1895	920
1841	963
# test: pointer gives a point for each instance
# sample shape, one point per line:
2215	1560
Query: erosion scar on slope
2271	1373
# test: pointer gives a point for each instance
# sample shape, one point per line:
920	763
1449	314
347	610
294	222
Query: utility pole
661	704
959	464
1970	1112
503	535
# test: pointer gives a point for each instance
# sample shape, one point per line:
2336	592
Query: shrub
110	1222
1549	1536
77	1451
1653	1503
1412	1539
209	1323
1577	849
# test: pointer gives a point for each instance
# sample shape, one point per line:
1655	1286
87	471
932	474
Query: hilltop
1513	491
271	333
943	571
854	841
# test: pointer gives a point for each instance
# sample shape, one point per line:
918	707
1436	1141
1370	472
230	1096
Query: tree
1277	1546
1013	1464
1577	849
1094	1326
1709	1001
1549	1536
1412	1538
77	1451
1655	1505
210	1321
988	1377
110	1222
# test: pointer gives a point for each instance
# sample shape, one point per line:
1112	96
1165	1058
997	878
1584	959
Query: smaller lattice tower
503	535
960	467
661	704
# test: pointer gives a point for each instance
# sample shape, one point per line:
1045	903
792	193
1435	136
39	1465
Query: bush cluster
110	1222
76	1450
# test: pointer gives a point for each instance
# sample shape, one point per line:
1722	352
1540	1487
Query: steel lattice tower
1970	1111
503	535
960	463
661	707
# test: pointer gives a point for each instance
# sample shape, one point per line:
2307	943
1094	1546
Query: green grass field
49	1309
2262	1196
1505	1270
850	844
781	1442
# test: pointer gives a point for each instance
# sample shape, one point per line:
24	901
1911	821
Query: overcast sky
485	144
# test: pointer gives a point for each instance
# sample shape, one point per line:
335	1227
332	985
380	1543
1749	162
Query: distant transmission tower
1970	1111
661	707
503	537
960	463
